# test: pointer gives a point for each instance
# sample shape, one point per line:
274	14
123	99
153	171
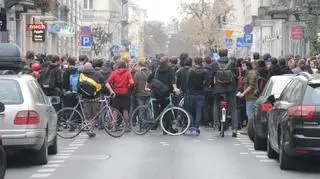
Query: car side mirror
271	99
2	107
54	100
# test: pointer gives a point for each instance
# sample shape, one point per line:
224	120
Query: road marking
211	139
267	160
249	146
196	141
56	161
61	157
236	144
163	142
71	148
40	175
251	149
244	153
45	170
67	154
51	166
261	156
76	145
67	151
259	153
78	142
246	143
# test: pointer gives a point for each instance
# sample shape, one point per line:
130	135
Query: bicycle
223	115
144	118
73	122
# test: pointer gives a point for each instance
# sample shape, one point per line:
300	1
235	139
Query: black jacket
181	78
197	81
164	74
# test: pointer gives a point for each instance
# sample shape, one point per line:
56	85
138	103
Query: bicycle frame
150	105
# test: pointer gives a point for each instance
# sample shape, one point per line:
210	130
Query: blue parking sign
248	38
229	42
86	41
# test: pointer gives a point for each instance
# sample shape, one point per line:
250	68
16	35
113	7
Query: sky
161	10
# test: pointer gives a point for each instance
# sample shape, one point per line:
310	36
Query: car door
274	112
52	115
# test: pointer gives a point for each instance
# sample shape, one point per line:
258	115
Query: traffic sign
86	41
229	42
248	28
228	33
248	38
240	42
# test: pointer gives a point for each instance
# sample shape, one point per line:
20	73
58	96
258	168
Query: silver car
29	121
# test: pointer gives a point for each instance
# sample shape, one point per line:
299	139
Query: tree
155	37
202	21
99	38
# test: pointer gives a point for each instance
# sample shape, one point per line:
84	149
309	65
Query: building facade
137	18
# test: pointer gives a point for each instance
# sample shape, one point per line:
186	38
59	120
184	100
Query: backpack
260	84
157	87
224	75
240	82
47	79
88	87
73	81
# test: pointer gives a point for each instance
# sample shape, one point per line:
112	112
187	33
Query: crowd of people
201	81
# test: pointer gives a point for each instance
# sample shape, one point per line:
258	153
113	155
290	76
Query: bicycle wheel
141	120
113	122
178	117
70	123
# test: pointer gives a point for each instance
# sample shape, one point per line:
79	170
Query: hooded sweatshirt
196	81
121	81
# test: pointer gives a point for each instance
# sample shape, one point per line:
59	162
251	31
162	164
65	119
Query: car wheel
286	161
250	130
272	154
41	156
259	143
53	149
3	163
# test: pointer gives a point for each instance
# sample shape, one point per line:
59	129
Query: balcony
100	15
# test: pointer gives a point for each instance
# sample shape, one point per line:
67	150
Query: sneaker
91	134
234	134
194	133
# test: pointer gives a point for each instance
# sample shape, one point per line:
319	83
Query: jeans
208	110
232	108
195	105
251	105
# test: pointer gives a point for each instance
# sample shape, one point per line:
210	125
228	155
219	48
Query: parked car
293	121
30	121
3	159
274	86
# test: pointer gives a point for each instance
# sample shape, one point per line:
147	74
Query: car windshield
10	92
312	95
278	86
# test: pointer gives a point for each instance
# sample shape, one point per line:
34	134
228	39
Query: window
88	4
10	92
37	96
312	95
293	92
278	87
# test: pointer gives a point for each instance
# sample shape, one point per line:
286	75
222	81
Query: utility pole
124	21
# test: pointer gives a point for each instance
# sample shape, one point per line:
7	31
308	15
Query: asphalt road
155	156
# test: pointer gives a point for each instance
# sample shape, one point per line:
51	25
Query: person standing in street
140	80
196	83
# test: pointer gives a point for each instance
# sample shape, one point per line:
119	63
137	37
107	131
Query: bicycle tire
182	111
77	120
108	119
147	125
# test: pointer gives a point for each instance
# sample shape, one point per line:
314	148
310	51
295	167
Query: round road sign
248	28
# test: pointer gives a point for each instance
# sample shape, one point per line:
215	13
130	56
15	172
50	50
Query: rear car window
10	92
312	95
278	86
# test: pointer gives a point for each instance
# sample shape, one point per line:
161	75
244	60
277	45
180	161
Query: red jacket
121	81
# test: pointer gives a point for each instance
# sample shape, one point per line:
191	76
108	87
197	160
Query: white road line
251	149
259	153
46	170
65	154
261	156
51	166
67	151
78	142
211	139
244	153
71	148
40	175
246	143
196	141
163	142
236	144
61	157
267	160
56	161
75	145
249	146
